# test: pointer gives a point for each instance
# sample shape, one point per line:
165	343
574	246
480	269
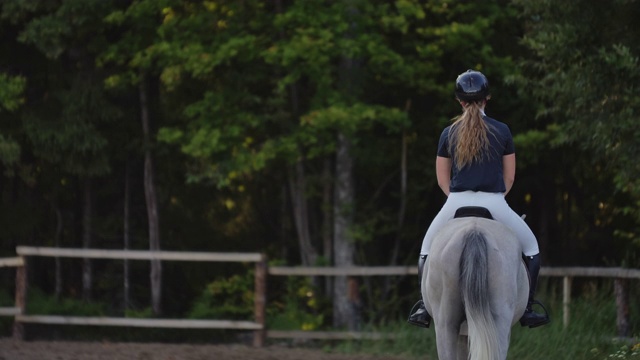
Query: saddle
473	211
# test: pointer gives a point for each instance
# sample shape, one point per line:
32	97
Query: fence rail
10	311
620	275
615	272
138	254
328	335
152	323
11	262
344	271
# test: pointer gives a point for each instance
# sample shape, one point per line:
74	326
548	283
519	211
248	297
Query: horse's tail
474	284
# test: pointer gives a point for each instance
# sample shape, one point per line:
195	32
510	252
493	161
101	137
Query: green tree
11	89
319	80
306	129
64	129
132	64
585	82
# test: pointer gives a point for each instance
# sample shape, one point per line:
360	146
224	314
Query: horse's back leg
445	306
449	317
448	342
503	329
505	303
463	342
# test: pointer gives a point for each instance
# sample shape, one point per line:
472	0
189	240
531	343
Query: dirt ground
55	350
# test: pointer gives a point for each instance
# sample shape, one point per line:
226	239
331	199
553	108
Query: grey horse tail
474	284
473	271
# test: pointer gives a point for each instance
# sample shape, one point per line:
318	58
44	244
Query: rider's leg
504	214
531	318
454	201
420	317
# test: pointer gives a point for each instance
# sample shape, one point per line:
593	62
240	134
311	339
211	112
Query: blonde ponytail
470	135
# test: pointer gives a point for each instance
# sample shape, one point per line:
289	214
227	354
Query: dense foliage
253	104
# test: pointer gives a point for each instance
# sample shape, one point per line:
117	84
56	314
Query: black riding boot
531	318
419	315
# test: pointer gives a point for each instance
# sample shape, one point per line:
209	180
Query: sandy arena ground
57	350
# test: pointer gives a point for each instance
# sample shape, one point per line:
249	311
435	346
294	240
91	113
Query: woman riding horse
475	166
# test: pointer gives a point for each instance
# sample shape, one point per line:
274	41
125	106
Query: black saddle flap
477	211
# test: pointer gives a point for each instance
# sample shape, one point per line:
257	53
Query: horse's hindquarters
496	282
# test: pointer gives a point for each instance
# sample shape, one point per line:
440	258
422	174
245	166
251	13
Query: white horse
475	287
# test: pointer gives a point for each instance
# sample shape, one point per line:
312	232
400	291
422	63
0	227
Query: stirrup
543	321
546	313
416	307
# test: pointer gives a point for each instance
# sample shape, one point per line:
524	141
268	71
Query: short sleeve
443	144
509	147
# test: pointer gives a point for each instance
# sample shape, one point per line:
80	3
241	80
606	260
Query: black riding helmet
472	86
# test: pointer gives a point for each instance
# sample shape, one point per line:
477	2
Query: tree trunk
546	205
87	209
284	229
22	290
298	184
151	200
402	208
297	187
126	231
58	265
327	201
344	311
346	304
393	259
621	290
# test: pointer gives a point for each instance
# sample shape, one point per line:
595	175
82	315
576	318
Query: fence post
21	298
260	301
621	290
566	299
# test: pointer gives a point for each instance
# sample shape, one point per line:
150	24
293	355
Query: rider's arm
443	173
508	171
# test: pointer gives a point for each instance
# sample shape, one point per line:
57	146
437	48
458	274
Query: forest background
305	130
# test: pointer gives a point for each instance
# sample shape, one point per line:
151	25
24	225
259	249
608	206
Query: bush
38	303
297	307
292	305
226	298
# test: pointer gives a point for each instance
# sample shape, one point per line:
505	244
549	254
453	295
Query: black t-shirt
486	175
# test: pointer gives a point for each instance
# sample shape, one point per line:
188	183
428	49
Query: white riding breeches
500	210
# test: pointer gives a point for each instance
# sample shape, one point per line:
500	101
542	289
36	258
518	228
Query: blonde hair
469	134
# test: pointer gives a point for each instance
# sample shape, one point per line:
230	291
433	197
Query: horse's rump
474	272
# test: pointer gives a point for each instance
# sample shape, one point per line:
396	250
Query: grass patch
590	335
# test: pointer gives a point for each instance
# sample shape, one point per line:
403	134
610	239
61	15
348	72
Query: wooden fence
20	317
621	277
18	263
